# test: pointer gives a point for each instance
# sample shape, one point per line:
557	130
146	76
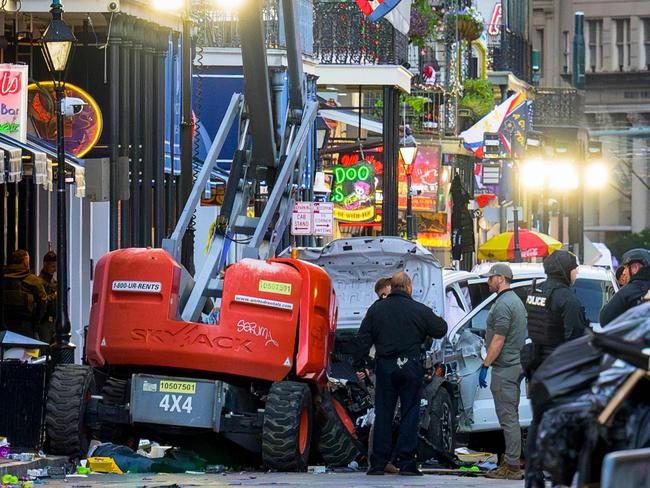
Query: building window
595	40
622	43
566	47
646	42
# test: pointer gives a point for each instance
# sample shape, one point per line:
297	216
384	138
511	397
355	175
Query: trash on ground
174	460
487	465
56	472
23	456
215	469
475	457
9	479
317	469
37	473
103	464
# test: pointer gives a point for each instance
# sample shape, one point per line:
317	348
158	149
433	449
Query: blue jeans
393	382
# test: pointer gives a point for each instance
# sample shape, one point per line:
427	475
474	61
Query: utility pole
576	238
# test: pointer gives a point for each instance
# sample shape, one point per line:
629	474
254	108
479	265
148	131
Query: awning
35	158
352	118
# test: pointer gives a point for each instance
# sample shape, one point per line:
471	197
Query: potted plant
477	97
469	21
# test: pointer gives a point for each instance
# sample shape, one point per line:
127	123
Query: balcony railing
511	52
558	107
424	112
221	29
343	36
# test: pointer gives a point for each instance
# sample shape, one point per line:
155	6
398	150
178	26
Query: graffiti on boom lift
190	335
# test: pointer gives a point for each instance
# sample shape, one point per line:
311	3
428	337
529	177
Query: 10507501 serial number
187	387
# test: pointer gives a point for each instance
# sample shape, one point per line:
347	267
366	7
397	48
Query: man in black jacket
397	326
637	261
555	316
24	296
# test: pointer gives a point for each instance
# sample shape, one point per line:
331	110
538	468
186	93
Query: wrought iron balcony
511	52
424	111
343	36
221	29
558	107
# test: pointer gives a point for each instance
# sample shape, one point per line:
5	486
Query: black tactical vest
545	328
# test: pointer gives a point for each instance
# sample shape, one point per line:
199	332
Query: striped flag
493	122
397	12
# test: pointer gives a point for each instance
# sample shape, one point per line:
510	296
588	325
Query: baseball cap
500	269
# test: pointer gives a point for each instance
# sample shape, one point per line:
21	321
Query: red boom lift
258	376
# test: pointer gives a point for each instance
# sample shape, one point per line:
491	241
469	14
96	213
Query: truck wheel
70	388
287	426
338	443
439	437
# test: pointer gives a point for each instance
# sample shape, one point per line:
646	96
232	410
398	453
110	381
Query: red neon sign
9	84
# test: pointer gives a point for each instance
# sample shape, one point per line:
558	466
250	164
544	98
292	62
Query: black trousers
393	382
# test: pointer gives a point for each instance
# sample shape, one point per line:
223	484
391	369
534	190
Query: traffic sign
323	218
301	220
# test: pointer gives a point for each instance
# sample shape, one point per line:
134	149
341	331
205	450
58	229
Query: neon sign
13	108
354	192
82	131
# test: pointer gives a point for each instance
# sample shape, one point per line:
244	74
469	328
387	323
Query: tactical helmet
638	255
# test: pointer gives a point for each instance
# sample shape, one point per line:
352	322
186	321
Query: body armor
545	328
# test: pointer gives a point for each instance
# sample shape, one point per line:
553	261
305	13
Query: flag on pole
493	122
397	12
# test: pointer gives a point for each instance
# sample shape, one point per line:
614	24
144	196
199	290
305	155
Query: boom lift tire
337	443
287	427
70	388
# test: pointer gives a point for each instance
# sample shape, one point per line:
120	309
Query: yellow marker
103	465
186	387
275	287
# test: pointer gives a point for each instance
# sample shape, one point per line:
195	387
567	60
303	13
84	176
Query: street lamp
408	152
57	45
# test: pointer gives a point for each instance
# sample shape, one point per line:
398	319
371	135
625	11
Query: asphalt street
274	479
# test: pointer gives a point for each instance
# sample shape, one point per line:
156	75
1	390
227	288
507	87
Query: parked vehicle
452	401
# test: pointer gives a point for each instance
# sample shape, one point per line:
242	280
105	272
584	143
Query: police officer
397	326
555	316
637	263
505	334
24	296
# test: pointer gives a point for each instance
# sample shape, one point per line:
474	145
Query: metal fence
424	111
343	36
511	52
558	107
221	28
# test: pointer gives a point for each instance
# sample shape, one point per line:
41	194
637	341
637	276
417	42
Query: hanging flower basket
468	30
469	21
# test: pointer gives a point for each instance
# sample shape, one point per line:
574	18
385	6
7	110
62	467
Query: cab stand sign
312	219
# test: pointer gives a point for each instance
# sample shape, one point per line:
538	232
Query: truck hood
355	264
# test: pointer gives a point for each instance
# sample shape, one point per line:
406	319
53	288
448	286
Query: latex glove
482	377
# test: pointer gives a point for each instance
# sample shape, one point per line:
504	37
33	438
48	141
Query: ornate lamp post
57	45
408	152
